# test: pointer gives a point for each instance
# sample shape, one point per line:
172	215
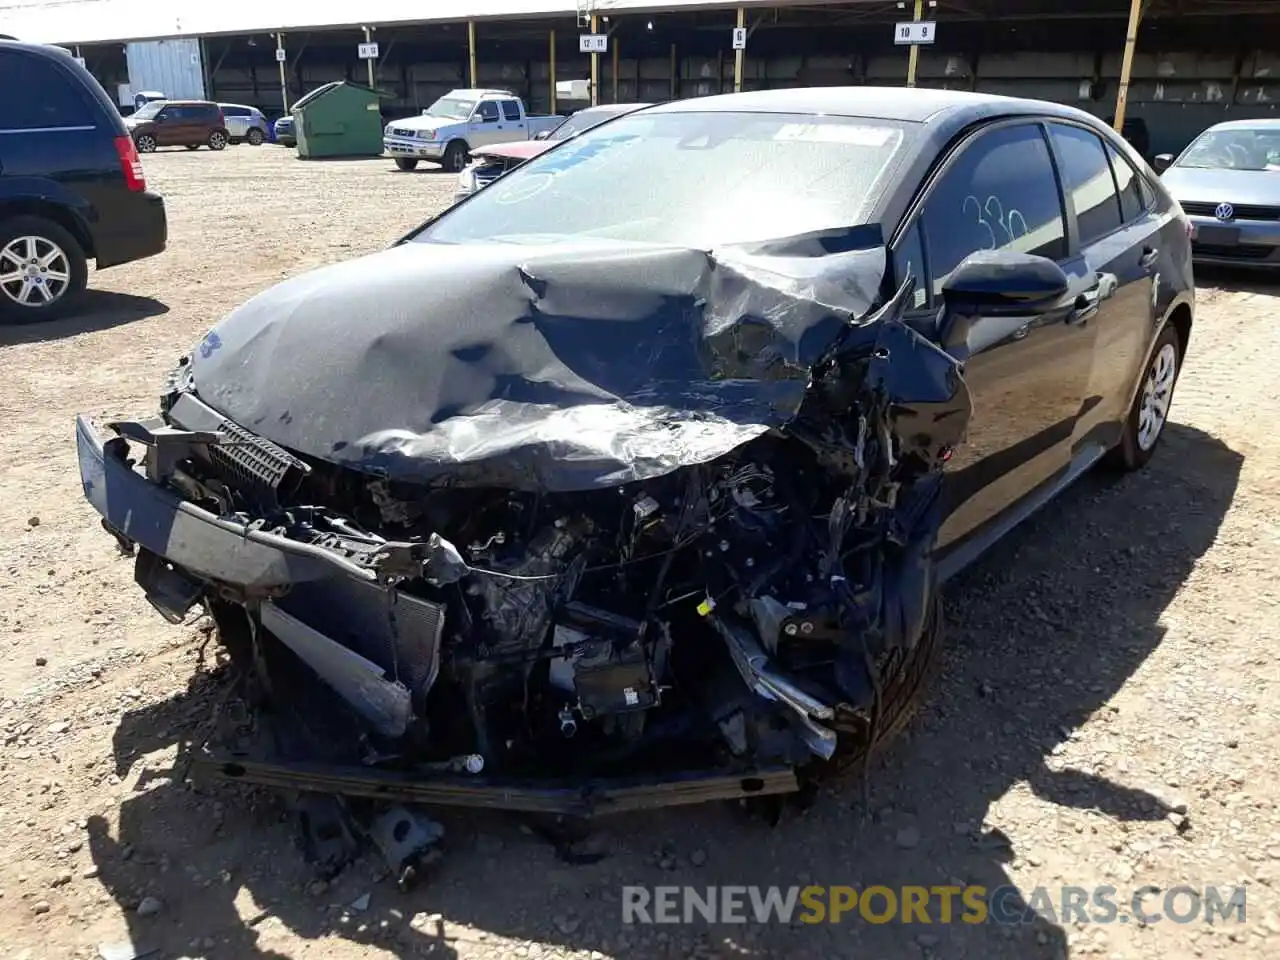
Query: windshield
451	107
148	110
692	179
582	120
1235	148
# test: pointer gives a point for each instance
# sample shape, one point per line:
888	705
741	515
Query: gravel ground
1106	713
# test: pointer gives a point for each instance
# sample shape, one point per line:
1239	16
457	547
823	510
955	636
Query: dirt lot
1111	663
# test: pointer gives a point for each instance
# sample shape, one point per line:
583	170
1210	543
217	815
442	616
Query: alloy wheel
217	141
1157	391
146	144
34	271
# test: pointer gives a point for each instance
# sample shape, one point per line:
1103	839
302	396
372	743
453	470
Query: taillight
130	164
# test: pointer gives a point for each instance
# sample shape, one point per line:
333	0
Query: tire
455	157
193	146
58	252
145	143
255	137
904	679
217	140
406	164
1142	433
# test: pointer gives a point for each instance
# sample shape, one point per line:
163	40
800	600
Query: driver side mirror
994	283
1163	162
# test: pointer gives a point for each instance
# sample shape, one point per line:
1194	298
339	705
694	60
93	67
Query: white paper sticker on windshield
835	133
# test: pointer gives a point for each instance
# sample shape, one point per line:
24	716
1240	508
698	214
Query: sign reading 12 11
915	32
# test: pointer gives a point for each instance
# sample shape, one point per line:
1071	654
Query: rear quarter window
1132	203
61	101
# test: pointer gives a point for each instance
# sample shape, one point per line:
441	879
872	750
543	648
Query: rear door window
999	194
1086	177
58	102
510	110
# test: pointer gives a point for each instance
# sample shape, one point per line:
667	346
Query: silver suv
244	123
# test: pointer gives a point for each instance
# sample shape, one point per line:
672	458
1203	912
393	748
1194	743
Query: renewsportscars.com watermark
1003	905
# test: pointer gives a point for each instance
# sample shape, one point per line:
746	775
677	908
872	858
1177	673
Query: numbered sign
915	32
368	51
593	43
739	38
281	56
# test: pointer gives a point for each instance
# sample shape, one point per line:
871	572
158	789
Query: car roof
906	104
1265	123
39	49
611	108
190	103
244	106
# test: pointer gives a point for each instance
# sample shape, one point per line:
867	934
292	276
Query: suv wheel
255	137
217	140
406	164
42	270
193	146
145	143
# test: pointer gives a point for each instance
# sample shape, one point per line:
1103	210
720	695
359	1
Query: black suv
71	184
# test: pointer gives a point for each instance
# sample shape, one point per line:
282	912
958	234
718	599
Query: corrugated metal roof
98	21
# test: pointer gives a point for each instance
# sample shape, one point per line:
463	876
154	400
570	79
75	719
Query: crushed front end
725	619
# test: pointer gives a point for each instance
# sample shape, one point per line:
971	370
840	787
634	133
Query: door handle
1085	307
1149	256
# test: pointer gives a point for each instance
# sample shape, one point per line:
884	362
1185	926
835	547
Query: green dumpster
339	119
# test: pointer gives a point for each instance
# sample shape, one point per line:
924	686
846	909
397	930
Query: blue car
283	130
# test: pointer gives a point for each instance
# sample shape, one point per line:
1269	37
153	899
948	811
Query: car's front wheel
145	143
406	164
1145	424
255	137
217	140
902	680
455	157
43	270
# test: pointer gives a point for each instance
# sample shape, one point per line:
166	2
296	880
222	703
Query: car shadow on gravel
1239	279
100	310
1042	633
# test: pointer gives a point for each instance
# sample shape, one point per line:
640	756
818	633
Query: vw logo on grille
1224	211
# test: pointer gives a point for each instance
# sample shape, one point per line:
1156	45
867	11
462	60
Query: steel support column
913	55
1126	66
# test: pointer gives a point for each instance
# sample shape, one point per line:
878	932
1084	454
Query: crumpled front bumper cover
157	519
186	535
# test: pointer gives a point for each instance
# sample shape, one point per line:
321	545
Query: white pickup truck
459	121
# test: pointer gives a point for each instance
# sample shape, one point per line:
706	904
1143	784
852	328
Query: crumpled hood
548	366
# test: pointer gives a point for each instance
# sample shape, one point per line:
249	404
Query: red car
489	163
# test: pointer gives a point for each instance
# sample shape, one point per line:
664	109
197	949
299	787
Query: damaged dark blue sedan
631	479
